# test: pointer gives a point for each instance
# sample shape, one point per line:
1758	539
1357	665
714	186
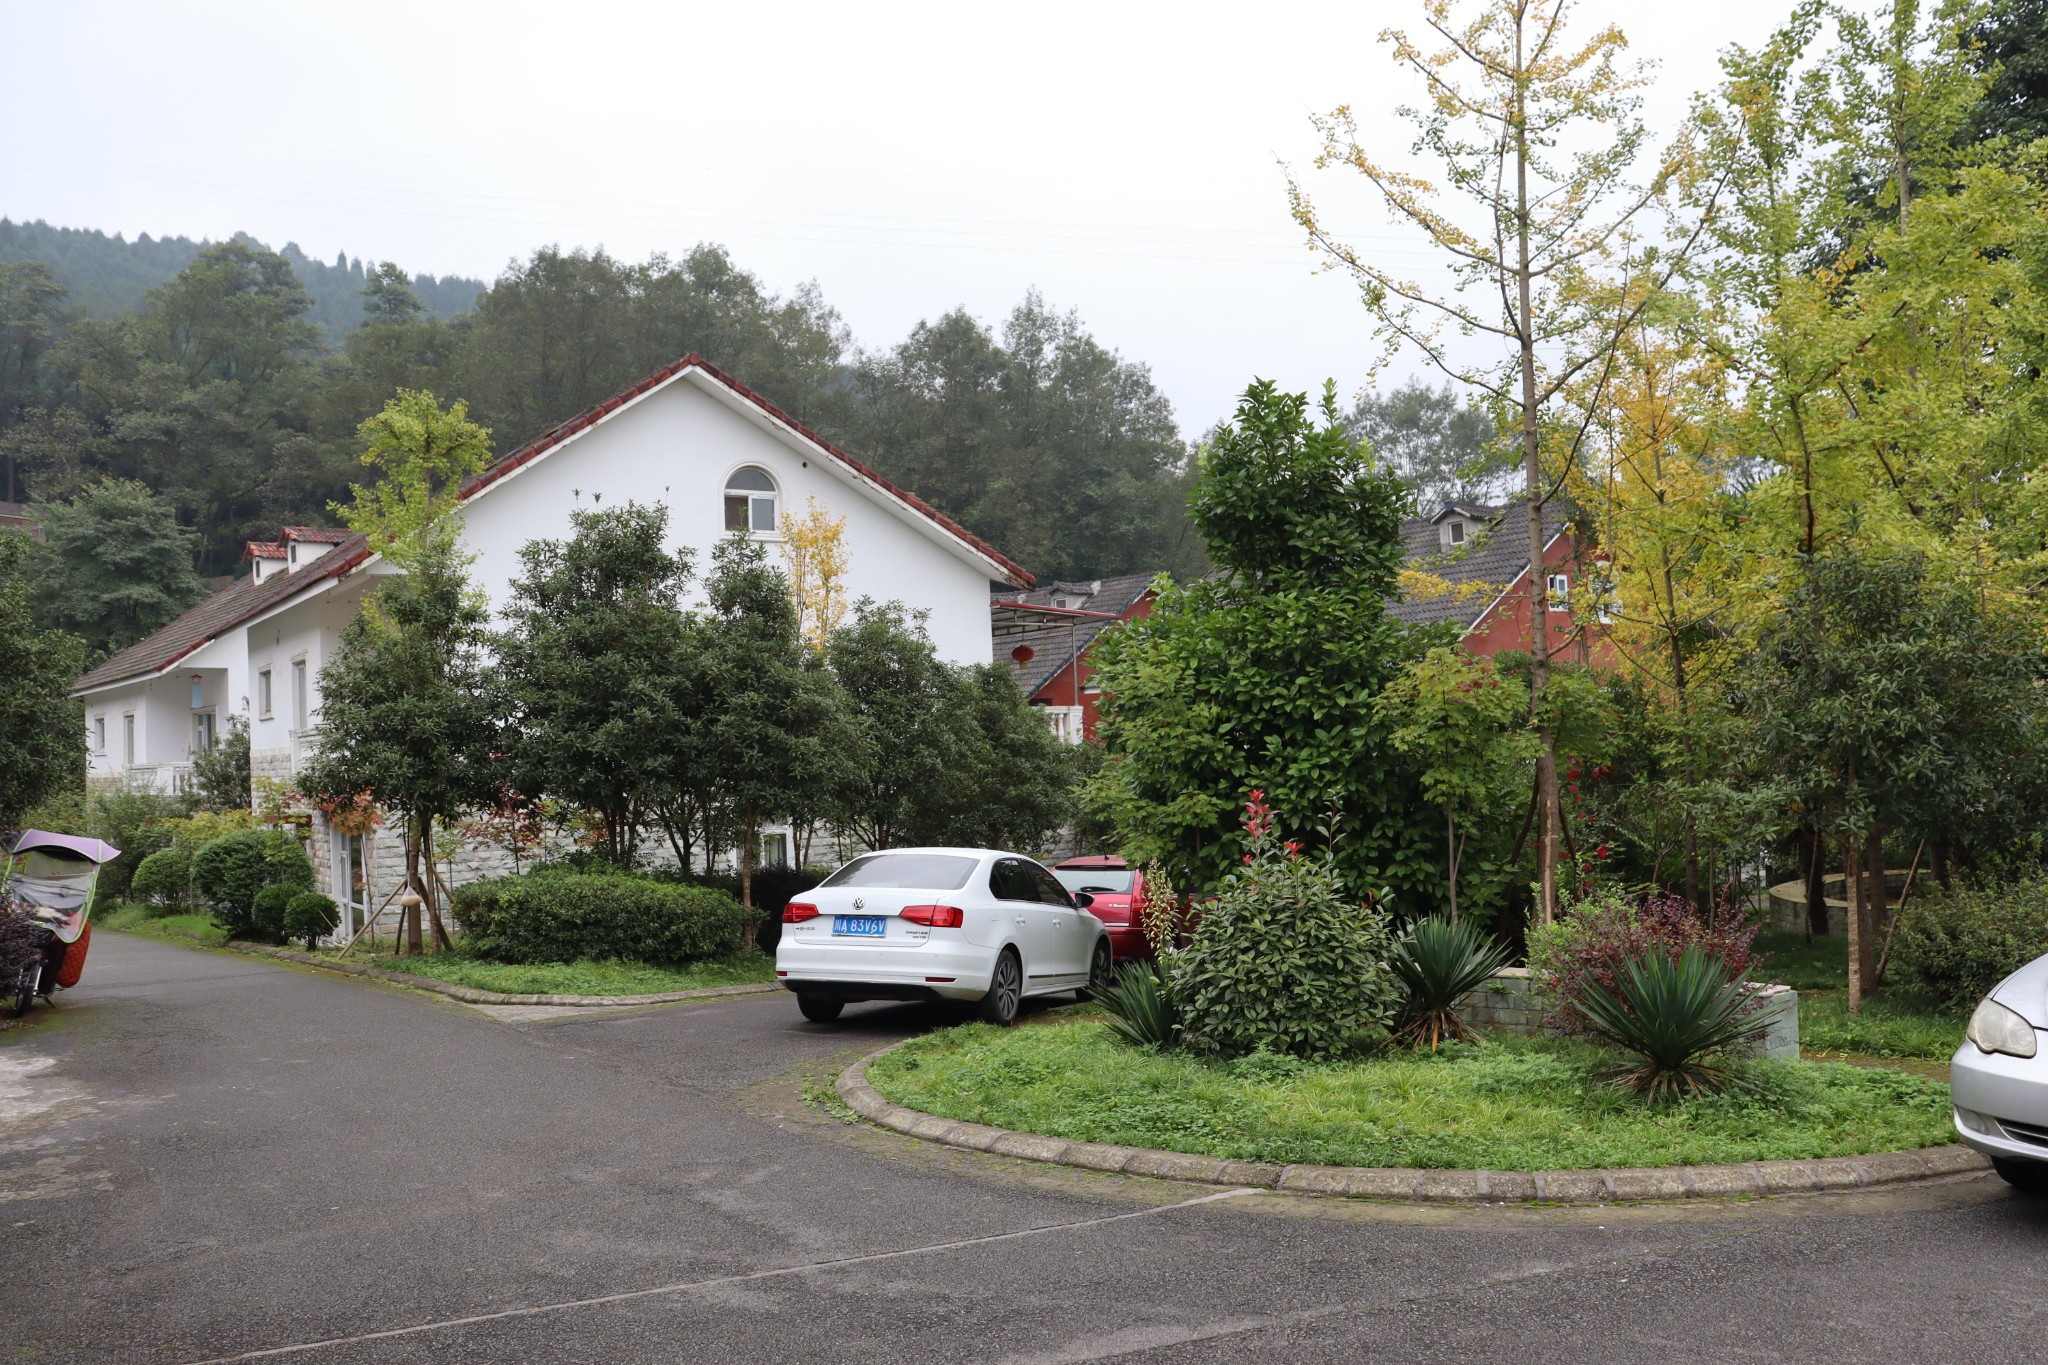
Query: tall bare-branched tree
1540	220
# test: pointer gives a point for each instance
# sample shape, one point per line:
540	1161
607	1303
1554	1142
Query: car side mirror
1083	899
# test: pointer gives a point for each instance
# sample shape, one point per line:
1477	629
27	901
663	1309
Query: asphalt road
203	1156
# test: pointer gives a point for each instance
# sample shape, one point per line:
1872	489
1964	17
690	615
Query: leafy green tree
1467	726
1266	676
221	774
594	640
2012	47
115	564
31	307
42	730
410	706
905	726
1445	448
774	731
422	455
1020	787
1891	698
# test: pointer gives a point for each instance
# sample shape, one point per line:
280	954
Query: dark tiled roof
1052	647
1111	595
1490	561
318	535
548	440
222	612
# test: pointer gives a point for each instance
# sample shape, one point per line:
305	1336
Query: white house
688	436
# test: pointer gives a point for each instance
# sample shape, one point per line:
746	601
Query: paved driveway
203	1156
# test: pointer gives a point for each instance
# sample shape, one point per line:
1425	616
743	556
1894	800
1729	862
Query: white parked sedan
1998	1078
973	925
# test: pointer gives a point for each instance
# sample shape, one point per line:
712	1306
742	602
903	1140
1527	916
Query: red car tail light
936	916
796	912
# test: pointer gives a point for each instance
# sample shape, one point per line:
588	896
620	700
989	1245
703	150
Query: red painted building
1482	553
1044	635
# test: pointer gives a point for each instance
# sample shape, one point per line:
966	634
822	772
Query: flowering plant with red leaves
354	814
516	823
1594	939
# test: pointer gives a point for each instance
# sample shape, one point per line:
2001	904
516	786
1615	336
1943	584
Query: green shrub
230	871
1954	946
310	916
133	818
557	916
1672	1013
1141	1009
1593	941
774	888
163	881
195	831
266	912
1439	963
1281	961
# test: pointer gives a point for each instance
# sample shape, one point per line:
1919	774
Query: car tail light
936	916
796	912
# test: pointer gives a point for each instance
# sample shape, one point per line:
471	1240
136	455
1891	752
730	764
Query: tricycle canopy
55	874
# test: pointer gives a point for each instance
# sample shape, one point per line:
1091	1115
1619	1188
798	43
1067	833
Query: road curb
1748	1179
470	995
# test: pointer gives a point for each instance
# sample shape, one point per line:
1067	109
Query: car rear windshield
1095	880
909	871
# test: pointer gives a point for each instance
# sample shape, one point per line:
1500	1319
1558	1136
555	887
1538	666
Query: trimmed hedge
1955	945
310	916
229	873
163	880
266	912
556	916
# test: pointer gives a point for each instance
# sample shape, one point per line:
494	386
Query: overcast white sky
909	157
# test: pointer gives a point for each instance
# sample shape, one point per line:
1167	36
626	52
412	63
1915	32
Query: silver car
1998	1079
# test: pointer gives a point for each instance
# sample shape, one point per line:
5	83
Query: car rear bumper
933	970
2001	1102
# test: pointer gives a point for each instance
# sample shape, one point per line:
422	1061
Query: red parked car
1119	890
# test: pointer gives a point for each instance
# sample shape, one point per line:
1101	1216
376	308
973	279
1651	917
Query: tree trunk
1451	853
442	943
1852	885
748	835
1816	885
1692	866
413	946
1873	906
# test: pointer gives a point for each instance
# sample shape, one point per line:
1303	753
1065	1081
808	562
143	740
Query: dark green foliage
550	916
266	913
114	566
163	880
595	661
42	730
1440	962
1046	443
1282	960
774	888
1266	676
221	774
230	872
2013	38
1673	1013
310	916
1140	1007
132	819
1444	446
1953	946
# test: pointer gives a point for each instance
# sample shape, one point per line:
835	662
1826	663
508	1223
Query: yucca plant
1672	1013
1141	1009
1440	963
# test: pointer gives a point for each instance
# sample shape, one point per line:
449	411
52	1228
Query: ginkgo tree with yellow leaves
814	556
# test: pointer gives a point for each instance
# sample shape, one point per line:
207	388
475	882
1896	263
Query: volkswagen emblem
860	903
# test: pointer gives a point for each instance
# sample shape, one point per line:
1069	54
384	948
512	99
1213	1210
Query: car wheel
819	1010
1100	968
2028	1177
1005	991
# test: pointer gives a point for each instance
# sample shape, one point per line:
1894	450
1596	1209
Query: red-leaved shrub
1593	939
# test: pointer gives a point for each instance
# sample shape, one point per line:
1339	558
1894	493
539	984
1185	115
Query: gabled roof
1053	647
218	614
263	549
317	535
1489	563
583	421
1113	596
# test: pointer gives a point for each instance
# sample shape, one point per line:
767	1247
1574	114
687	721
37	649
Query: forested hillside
225	399
109	276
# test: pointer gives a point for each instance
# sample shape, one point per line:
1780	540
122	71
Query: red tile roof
548	440
263	549
318	535
218	614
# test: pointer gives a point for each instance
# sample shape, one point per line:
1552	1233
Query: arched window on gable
751	501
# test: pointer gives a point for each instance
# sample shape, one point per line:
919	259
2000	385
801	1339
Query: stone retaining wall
1511	1004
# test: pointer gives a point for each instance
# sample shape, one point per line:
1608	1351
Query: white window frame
211	728
1454	533
263	694
1558	591
99	734
302	698
127	739
754	497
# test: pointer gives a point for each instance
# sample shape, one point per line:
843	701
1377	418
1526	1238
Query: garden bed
1509	1104
136	919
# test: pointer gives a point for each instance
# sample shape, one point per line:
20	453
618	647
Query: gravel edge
470	995
1740	1180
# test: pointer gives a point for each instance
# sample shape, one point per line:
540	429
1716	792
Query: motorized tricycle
52	878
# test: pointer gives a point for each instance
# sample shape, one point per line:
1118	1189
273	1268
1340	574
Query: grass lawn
135	919
1892	1024
1507	1104
612	977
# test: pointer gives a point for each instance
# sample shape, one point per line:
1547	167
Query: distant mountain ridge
109	276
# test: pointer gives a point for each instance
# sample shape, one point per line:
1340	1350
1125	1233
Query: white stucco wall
676	447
